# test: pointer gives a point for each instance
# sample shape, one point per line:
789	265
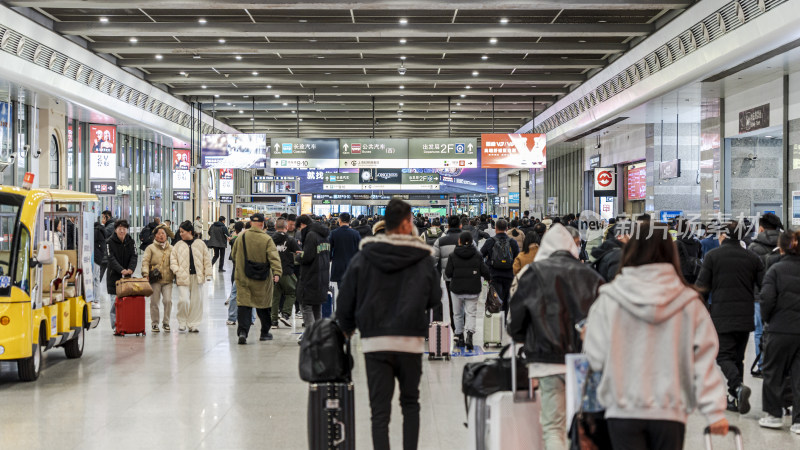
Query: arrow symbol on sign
346	147
470	146
277	146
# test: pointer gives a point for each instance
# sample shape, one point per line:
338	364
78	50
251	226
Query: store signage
226	199
441	153
103	154
234	151
103	187
381	176
605	182
373	153
670	169
522	151
181	173
667	216
304	153
637	182
513	198
226	182
594	161
754	119
181	196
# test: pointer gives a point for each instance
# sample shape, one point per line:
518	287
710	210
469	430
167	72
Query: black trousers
503	288
245	319
382	369
781	356
219	253
731	357
635	434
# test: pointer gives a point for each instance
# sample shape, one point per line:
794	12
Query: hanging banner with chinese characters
442	153
304	153
373	153
103	156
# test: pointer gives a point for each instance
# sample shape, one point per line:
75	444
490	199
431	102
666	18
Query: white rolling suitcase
506	420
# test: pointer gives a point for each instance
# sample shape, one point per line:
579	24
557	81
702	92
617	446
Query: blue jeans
113	312
758	333
233	313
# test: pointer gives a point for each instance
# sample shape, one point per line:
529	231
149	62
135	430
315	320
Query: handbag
493	302
254	270
482	379
589	430
155	276
134	287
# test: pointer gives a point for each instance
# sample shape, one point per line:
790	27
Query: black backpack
146	237
502	258
325	354
690	265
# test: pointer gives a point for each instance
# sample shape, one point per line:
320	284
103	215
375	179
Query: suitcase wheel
447	357
430	356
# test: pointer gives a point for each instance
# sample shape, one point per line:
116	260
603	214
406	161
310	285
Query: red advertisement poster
523	151
637	183
103	148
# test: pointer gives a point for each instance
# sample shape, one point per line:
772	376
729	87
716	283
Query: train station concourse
333	224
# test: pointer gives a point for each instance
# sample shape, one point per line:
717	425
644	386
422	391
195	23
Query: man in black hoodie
386	293
218	237
315	262
608	254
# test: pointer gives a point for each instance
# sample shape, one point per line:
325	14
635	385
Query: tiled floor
189	391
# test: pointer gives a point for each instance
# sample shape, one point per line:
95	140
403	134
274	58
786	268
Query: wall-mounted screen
234	151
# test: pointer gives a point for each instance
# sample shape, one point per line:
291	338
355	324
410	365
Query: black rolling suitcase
331	416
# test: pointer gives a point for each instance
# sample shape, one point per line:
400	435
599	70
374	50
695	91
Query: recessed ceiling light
602	21
269	86
196	57
475	73
533	86
300	120
768	137
403	41
401	103
467	87
241	112
312	40
484	57
202	21
238	57
277	95
327	73
403	58
182	73
229	103
204	86
255	74
320	57
159	57
463	95
402	87
399	111
403	21
504	20
399	119
582	41
458	104
303	20
252	119
285	104
493	41
104	19
216	95
133	40
221	41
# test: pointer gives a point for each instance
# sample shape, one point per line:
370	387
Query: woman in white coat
191	264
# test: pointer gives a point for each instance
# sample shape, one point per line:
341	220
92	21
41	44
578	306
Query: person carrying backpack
146	235
690	250
465	267
433	233
500	252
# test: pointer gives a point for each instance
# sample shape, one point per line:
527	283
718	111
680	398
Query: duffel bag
481	379
134	287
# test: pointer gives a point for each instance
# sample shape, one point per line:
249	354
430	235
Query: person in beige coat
157	256
252	293
191	263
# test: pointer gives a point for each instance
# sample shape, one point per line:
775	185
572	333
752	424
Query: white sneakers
795	428
770	421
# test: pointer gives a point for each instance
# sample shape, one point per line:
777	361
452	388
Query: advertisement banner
513	151
103	153
304	153
305	204
442	153
637	182
234	151
226	181
181	175
605	182
373	153
87	249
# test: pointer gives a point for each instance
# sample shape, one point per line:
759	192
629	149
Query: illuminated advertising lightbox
226	181
103	153
181	175
637	183
234	151
442	153
513	151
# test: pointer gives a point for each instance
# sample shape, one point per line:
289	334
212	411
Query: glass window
54	163
23	269
10	206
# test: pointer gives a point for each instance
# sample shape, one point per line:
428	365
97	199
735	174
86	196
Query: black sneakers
242	339
470	347
743	399
265	337
459	340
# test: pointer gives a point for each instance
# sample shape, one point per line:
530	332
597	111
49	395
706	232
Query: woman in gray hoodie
653	339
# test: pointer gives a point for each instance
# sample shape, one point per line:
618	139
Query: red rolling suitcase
130	316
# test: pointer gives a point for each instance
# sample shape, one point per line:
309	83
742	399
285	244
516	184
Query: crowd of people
663	310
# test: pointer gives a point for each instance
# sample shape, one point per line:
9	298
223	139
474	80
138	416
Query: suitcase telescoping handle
737	436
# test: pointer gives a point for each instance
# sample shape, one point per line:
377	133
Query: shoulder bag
254	270
155	276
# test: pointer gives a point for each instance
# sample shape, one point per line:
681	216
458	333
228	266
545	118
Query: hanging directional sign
373	153
381	179
304	153
442	153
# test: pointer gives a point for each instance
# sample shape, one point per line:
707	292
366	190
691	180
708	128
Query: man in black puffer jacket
465	267
315	263
386	293
690	250
730	278
552	295
765	246
608	254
